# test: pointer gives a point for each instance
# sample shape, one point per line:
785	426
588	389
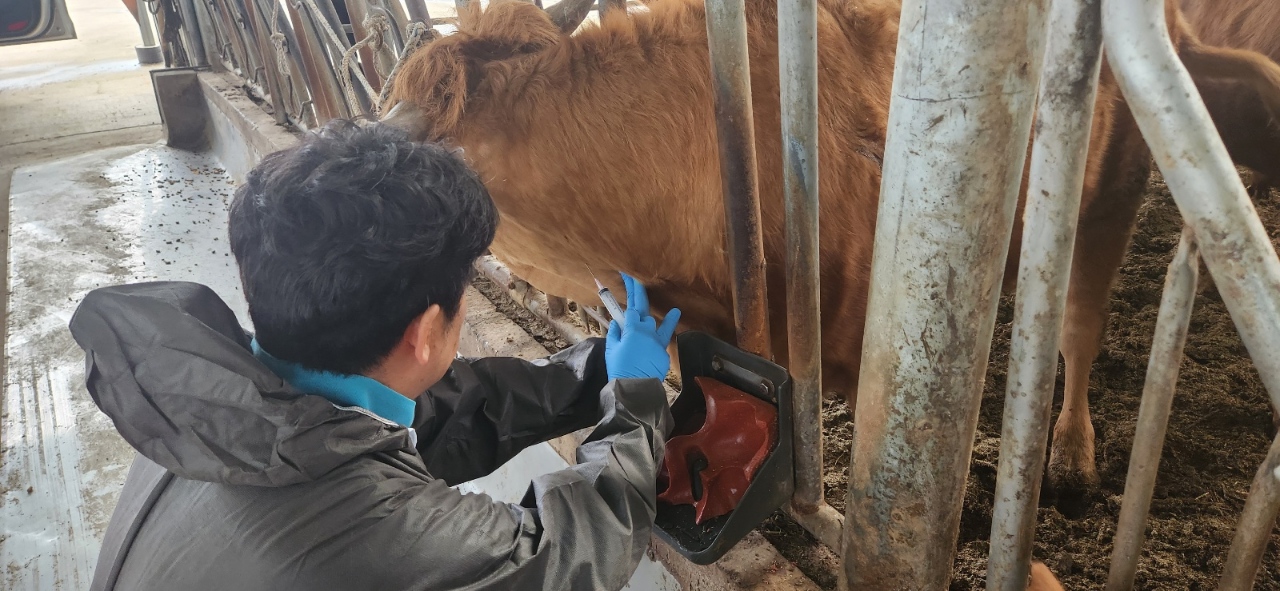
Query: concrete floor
119	215
70	233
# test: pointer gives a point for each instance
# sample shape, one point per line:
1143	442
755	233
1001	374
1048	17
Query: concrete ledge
241	133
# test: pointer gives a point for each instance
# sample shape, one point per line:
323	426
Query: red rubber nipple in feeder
711	468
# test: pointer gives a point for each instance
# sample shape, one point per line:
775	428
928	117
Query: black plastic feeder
702	355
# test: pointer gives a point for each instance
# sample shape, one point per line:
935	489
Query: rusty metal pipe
195	37
731	77
1153	414
959	125
259	29
358	12
298	82
232	32
798	67
322	83
1069	85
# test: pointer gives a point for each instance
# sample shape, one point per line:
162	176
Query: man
320	454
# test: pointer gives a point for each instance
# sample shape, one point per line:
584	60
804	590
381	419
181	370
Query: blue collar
342	390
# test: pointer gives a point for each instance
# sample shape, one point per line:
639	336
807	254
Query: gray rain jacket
245	484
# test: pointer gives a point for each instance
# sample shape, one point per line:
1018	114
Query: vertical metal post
259	29
191	29
149	52
1153	415
798	67
321	82
358	12
1068	89
418	11
1258	519
234	34
207	23
959	125
1213	202
731	78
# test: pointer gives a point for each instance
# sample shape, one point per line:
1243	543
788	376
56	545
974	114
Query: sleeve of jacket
485	411
582	528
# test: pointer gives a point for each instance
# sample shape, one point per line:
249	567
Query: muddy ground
1218	434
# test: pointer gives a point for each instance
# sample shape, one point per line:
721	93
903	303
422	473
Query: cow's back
1243	24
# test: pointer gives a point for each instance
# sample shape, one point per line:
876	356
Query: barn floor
1218	435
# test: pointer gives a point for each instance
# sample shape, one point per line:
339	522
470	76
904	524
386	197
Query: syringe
606	296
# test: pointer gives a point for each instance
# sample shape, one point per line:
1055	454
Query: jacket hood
170	365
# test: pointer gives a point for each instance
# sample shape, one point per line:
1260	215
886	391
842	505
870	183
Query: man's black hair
347	237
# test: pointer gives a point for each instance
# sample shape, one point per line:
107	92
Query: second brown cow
1249	126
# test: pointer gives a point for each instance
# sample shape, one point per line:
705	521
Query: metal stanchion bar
959	124
731	79
1153	414
798	67
321	81
1068	89
259	29
1258	519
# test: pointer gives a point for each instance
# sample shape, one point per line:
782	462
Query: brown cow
600	151
1250	130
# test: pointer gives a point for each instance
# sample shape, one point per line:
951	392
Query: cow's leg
1260	186
1102	238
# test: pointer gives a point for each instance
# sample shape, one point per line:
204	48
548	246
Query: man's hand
638	349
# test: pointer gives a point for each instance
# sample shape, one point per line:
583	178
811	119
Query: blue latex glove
638	348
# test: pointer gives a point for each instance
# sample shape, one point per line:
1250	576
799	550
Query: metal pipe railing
233	39
798	68
1060	151
1213	202
253	68
257	28
326	96
191	30
1172	323
731	79
1258	519
959	125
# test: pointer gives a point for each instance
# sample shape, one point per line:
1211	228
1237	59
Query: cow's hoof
1073	478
